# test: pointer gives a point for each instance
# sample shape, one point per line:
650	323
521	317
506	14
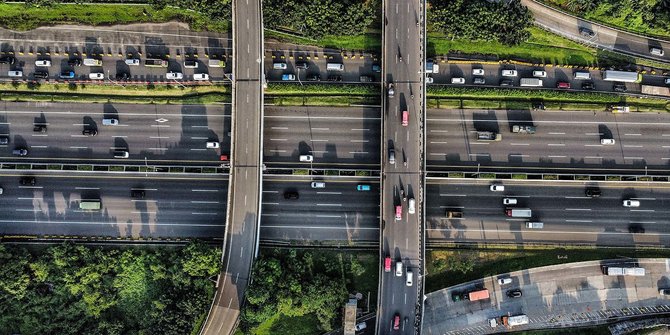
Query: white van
110	122
279	66
92	62
410	277
335	67
398	269
582	75
534	225
411	205
15	74
508	73
318	184
306	158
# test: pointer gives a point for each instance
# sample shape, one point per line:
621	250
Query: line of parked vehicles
42	73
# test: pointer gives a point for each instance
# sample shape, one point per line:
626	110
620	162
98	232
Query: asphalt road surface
173	206
152	134
241	239
399	303
569	216
170	41
334	136
605	37
564	139
559	296
337	212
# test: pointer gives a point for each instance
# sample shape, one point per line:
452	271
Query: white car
429	80
398	269
43	63
410	278
607	141
477	72
279	66
458	80
318	184
411	205
509	73
509	201
540	74
306	158
201	76
504	281
15	74
497	188
133	62
174	75
667	81
212	145
96	76
631	203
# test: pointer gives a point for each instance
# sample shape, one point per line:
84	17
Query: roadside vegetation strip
17	16
450	267
307	88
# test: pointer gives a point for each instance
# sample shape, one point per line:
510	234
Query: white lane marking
592	157
203	202
78	147
329	216
556	133
279	128
328	192
326	129
452	195
519	143
642	210
270	203
633	158
359	141
633	146
142	212
360	129
87	188
199	138
201	149
434	142
158	137
633	134
557	156
576	197
38	146
556	144
27	210
578	209
203	213
335	205
204	190
278	139
593	145
581	221
594	134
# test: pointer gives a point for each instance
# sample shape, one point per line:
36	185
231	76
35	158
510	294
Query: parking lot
67	53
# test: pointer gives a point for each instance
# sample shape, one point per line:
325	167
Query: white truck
518	212
431	67
488	136
523	129
530	82
516	320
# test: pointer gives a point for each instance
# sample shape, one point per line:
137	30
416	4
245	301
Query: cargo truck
488	136
518	212
530	82
523	129
656	90
623	271
452	214
475	295
622	76
516	320
432	67
152	62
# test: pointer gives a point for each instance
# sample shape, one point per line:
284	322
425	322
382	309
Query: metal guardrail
548	176
179	169
323	172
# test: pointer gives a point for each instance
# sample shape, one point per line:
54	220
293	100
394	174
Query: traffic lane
170	41
337	212
578	288
492	76
172	207
561	138
169	132
605	37
331	135
354	67
568	215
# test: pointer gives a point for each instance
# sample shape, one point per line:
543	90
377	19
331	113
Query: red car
396	322
387	264
405	118
563	84
398	212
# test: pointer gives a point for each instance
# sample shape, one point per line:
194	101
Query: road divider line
452	195
278	139
38	146
273	215
580	221
27	210
633	146
642	210
633	158
158	137
578	209
270	203
328	192
264	191
203	213
329	216
203	202
87	188
204	190
556	133
306	227
22	198
556	144
279	128
359	141
333	205
557	156
520	144
576	197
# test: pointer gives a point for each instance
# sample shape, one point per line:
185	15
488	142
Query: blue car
363	187
67	75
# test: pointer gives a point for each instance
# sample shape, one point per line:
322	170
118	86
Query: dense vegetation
646	17
74	289
506	22
299	285
317	18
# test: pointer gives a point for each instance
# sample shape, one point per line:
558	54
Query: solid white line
452	195
87	188
592	157
433	142
633	134
556	144
329	216
278	139
557	156
578	209
519	143
201	149
337	205
78	147
204	202
32	187
38	146
158	137
203	213
578	221
650	199
480	143
203	190
328	192
21	198
633	157
593	145
594	134
281	128
642	210
320	128
270	203
359	141
360	129
27	210
633	146
576	197
556	133
305	227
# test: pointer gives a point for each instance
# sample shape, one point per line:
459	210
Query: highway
399	304
171	41
337	212
241	240
569	216
176	206
605	37
153	134
354	67
558	296
564	140
334	136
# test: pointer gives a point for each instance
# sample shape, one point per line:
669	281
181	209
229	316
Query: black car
89	132
137	194
122	76
40	128
41	75
74	62
291	195
20	152
366	79
586	32
593	192
7	60
301	65
587	85
314	77
334	77
664	291
514	293
636	229
620	87
4	140
27	181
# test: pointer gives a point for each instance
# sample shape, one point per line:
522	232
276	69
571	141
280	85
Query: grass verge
455	266
370	42
23	17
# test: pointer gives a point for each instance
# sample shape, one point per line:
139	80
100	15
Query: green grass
489	262
369	42
22	17
599	330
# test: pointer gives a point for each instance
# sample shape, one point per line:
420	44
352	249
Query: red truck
472	295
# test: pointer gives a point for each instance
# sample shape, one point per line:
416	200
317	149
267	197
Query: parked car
174	76
593	192
20	152
67	75
588	85
479	80
306	158
540	74
504	281
334	77
619	87
15	74
43	62
363	187
96	76
7	60
607	141
478	72
509	201
509	73
562	84
89	132
458	80
133	62
391	90
74	62
137	194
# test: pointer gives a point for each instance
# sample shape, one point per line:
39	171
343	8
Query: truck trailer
523	129
623	271
530	82
656	90
431	67
622	76
488	136
516	320
152	62
518	212
475	295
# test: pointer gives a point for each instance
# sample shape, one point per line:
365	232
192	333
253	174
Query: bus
89	204
623	271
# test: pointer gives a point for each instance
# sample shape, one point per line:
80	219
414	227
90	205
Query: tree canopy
75	289
501	21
